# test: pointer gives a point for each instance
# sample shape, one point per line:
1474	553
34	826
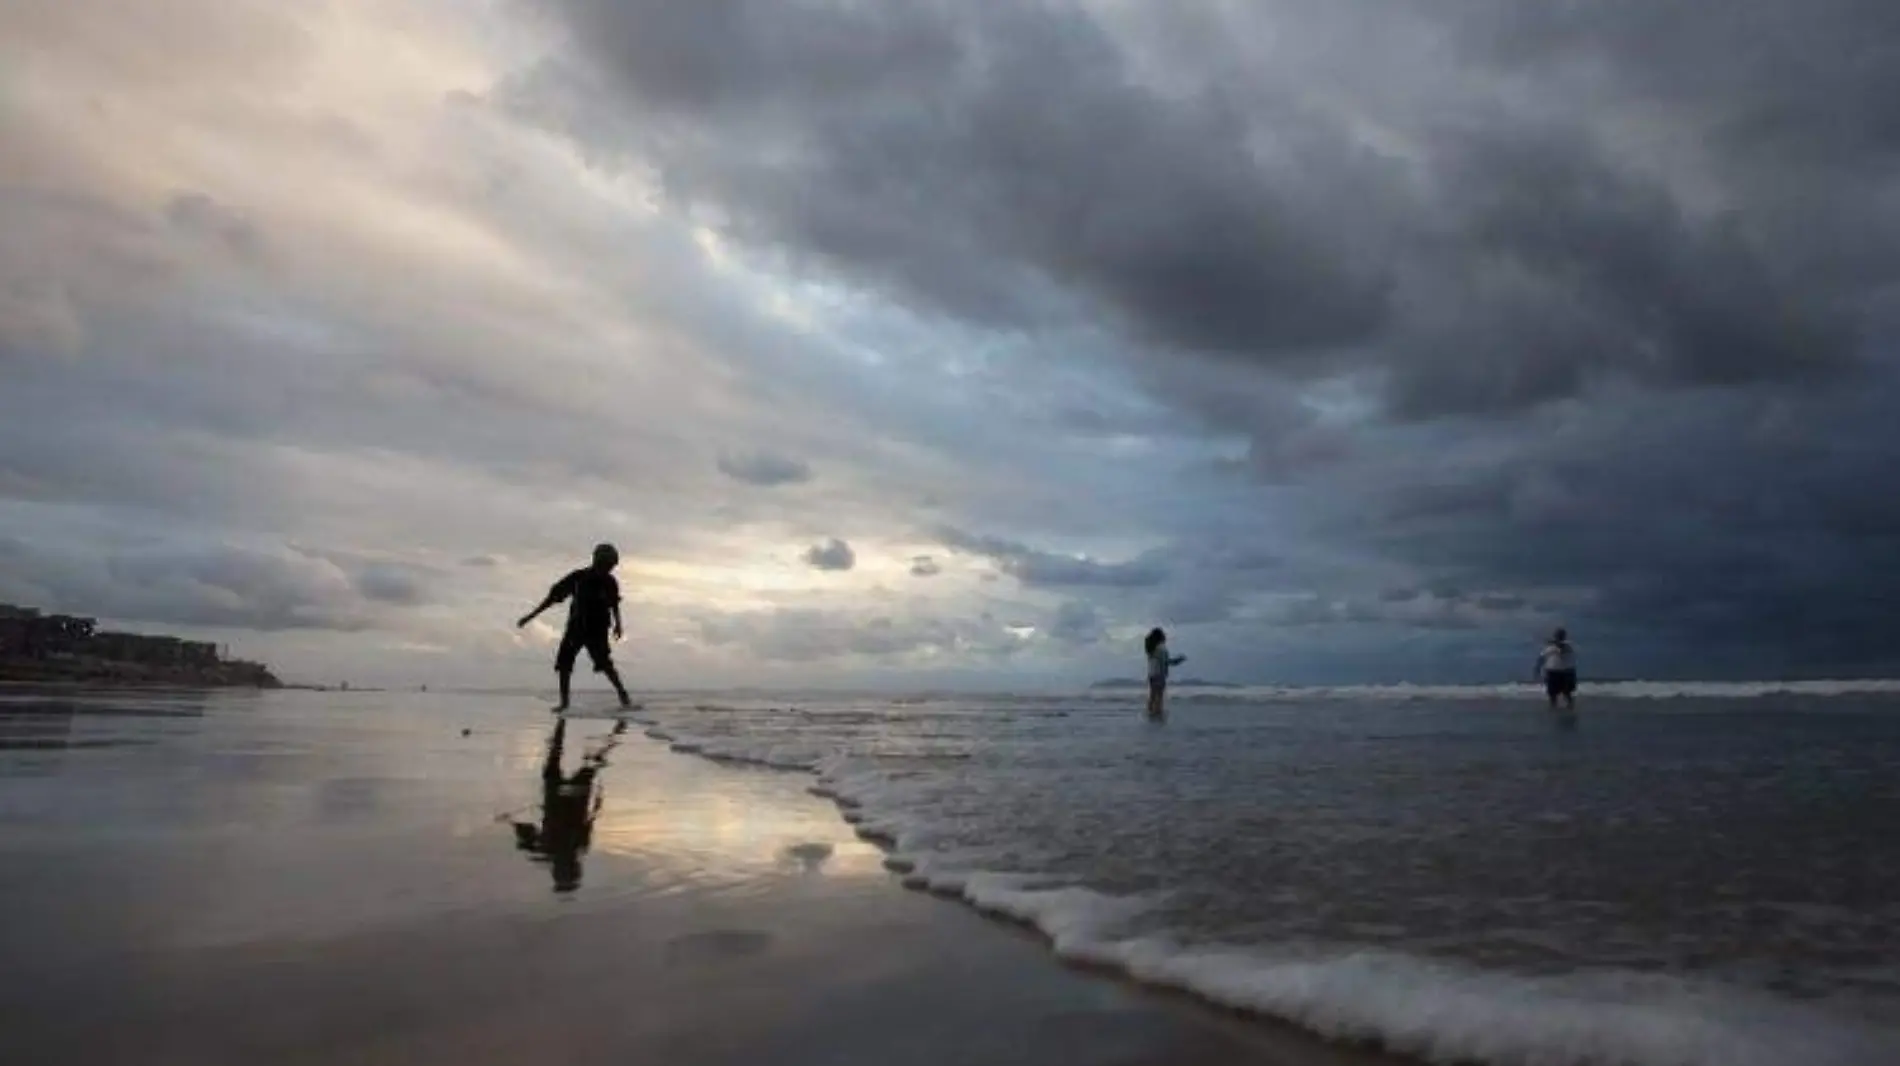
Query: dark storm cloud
1041	569
1805	82
1003	161
833	554
1608	289
1573	270
764	469
993	161
1752	528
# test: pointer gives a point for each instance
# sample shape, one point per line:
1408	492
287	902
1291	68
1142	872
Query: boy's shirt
594	595
1557	658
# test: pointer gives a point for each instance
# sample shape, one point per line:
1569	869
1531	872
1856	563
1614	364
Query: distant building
29	637
26	633
153	651
16	629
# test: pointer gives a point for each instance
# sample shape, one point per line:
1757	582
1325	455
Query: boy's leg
613	675
564	664
602	653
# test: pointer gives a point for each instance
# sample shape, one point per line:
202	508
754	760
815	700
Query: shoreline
67	683
1287	1041
1393	1005
355	909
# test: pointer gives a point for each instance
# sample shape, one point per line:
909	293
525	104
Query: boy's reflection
568	808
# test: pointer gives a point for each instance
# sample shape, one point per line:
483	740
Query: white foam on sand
1441	1012
1437	1010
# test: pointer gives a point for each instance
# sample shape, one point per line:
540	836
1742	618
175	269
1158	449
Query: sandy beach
298	879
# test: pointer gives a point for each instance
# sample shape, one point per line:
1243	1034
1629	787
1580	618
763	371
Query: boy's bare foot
557	708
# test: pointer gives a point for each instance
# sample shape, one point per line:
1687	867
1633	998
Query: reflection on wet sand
31	720
691	831
319	878
569	805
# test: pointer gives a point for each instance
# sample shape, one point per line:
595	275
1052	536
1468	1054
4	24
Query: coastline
725	915
40	647
98	674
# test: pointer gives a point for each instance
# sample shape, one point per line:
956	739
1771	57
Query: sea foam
1438	1010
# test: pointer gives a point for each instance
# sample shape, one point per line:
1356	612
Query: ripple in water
1686	878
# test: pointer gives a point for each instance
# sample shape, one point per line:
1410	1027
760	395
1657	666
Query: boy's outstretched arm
536	613
618	632
555	595
562	590
1176	660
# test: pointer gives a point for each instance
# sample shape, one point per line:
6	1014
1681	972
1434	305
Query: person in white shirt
1557	665
1159	663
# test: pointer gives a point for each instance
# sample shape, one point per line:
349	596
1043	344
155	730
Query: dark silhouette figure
1159	663
1557	665
595	606
569	805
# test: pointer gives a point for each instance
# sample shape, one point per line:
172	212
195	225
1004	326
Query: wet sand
291	882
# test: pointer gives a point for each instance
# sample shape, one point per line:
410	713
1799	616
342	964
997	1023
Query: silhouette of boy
595	602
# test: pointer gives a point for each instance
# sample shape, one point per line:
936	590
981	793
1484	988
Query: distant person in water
595	605
1159	663
1557	665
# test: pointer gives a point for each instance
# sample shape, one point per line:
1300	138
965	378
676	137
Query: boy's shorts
1560	682
598	649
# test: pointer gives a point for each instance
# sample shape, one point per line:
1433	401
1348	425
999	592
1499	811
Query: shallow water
140	823
1675	880
1681	879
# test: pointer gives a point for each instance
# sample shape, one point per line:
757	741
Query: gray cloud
924	566
1041	569
805	635
1519	258
1400	331
1077	623
1355	237
1733	528
227	586
1062	173
201	217
833	554
764	469
392	583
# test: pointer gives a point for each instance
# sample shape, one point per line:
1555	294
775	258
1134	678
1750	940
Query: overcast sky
950	343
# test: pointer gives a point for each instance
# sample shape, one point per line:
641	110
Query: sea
1677	875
